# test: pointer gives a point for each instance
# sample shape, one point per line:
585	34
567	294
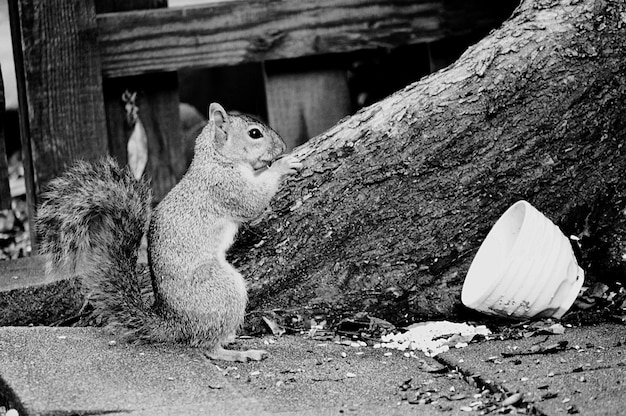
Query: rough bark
394	202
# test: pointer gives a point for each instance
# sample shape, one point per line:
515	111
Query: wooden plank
158	102
61	91
27	155
109	6
236	32
298	99
5	191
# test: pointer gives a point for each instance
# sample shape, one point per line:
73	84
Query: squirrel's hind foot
222	354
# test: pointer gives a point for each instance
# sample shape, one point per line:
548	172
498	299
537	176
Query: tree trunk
394	202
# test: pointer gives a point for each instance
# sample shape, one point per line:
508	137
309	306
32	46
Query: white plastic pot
525	268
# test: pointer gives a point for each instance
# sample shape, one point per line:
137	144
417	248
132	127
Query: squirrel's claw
287	165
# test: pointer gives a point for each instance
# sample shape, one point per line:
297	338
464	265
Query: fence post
59	85
158	103
5	191
302	102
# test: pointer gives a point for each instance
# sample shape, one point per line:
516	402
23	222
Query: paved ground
79	371
587	376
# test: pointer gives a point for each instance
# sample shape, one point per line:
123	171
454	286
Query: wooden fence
74	58
5	193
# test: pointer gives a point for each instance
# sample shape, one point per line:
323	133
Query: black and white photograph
312	207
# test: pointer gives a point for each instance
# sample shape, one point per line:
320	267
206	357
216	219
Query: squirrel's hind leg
223	292
220	353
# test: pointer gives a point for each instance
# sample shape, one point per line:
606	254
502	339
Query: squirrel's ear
218	115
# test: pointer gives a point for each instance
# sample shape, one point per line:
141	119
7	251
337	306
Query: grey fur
96	214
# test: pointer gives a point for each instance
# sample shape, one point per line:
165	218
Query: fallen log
394	201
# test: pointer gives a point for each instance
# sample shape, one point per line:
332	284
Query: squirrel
95	215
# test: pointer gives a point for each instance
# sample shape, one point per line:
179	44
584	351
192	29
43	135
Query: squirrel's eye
255	133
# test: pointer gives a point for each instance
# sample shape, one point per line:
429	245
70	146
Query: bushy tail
94	216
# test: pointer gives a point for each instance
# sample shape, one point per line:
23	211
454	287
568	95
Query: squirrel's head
243	139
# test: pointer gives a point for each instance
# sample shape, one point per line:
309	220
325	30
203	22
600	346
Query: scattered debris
364	326
549	395
432	367
527	329
513	399
14	231
455	397
600	301
556	329
572	410
226	371
433	338
274	327
539	349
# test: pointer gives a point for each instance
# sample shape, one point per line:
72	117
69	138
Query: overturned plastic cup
525	268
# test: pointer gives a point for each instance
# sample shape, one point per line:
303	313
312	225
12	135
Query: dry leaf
513	399
138	150
273	326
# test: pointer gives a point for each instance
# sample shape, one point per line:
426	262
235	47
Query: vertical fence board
158	102
61	102
304	103
27	154
59	89
5	191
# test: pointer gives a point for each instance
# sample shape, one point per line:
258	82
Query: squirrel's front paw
287	165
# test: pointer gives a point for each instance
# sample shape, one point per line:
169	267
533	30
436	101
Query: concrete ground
82	371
